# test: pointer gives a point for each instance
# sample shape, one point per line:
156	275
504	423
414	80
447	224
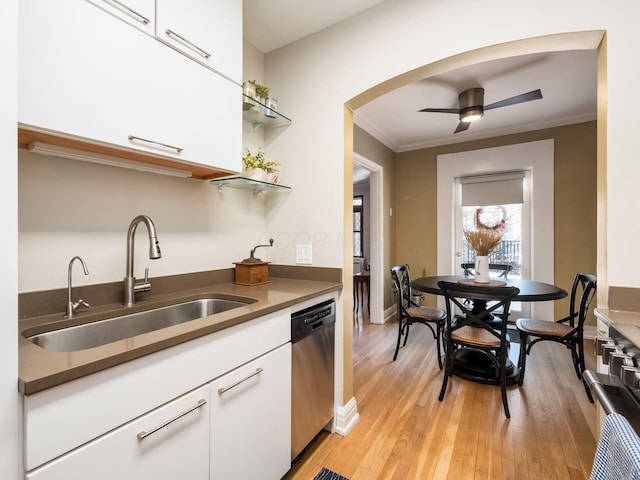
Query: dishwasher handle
317	325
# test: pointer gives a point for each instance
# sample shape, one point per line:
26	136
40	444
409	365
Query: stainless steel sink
109	330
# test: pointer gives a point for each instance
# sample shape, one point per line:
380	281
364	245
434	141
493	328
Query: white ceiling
567	80
271	24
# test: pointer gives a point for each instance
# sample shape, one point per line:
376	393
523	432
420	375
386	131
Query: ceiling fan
472	105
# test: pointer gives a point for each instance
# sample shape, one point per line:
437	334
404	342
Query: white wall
318	74
9	406
69	208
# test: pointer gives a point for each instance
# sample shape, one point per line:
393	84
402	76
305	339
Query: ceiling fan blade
441	110
524	97
462	126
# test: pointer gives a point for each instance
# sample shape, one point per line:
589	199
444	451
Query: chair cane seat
568	331
428	313
479	336
543	327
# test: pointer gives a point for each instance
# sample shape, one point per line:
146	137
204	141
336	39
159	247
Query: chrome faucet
71	306
130	285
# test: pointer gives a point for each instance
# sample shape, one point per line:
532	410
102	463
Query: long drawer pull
138	15
142	435
221	390
189	44
177	149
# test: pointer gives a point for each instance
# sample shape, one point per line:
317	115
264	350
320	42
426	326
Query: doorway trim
536	157
376	236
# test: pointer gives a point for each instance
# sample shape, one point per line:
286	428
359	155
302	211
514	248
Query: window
498	201
495	202
357	225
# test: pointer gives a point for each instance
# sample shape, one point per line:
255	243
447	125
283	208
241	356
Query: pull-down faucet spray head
130	285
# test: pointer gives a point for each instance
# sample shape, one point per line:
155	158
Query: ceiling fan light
471	115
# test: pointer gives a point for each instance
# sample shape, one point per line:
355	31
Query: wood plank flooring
404	432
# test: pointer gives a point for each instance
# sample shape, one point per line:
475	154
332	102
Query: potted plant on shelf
257	167
262	93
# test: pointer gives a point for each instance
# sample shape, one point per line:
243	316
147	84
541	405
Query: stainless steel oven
618	390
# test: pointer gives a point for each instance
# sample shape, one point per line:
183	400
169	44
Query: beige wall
373	150
574	190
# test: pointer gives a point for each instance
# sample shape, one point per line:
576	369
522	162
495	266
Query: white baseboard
590	332
389	313
346	417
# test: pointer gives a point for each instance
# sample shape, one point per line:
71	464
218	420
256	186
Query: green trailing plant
261	90
259	160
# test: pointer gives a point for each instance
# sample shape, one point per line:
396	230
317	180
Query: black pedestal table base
477	367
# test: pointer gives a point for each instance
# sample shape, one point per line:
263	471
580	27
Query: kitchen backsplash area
69	208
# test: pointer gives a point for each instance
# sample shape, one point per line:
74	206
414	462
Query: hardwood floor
404	432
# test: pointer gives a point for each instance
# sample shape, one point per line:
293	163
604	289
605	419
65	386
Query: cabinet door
140	14
207	31
251	419
170	442
86	74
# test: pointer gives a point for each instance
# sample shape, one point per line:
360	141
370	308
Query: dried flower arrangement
483	241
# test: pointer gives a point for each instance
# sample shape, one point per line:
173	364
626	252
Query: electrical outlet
303	254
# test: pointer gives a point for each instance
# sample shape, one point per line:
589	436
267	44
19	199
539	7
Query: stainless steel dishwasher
312	372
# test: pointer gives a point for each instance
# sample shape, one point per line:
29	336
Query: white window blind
499	189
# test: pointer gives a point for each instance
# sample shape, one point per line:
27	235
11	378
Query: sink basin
101	332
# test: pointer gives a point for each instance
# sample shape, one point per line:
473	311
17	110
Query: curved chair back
476	329
503	268
492	300
582	292
410	312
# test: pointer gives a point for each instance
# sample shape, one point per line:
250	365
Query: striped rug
326	474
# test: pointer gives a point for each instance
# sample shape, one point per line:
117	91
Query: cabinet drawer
168	443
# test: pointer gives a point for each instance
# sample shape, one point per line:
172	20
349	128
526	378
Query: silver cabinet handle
136	15
191	45
221	390
142	435
177	149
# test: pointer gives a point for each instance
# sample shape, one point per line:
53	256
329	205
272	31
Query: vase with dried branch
483	241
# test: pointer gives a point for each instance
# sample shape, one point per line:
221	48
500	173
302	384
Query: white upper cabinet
205	30
138	13
85	74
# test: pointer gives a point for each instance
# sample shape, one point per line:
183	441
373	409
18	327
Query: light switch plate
303	254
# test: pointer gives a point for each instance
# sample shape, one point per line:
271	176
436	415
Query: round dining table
472	365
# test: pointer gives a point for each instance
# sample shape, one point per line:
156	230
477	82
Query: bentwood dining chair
502	269
569	330
410	312
473	331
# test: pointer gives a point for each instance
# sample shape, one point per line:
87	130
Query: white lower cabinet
170	442
251	419
233	423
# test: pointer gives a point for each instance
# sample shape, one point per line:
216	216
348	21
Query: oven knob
630	376
617	360
607	350
600	342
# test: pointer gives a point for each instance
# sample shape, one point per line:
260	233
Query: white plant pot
272	177
256	174
482	269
